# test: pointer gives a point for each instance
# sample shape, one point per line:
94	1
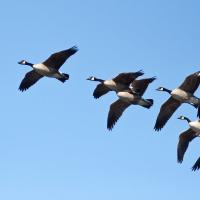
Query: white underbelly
125	96
45	71
195	126
180	95
114	86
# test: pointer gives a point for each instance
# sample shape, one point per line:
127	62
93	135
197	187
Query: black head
91	78
182	117
160	89
22	62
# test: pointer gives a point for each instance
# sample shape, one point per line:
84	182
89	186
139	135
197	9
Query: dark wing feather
115	112
140	86
127	78
100	90
196	166
30	78
56	60
184	139
191	83
166	111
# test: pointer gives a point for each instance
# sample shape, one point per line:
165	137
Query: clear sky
53	142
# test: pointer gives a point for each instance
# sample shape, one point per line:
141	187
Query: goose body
186	137
48	68
184	97
134	99
127	98
50	72
121	82
114	86
195	126
182	94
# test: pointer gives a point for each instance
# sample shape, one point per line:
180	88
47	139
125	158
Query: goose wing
127	78
196	166
140	86
184	139
100	90
115	112
56	60
30	78
166	111
191	83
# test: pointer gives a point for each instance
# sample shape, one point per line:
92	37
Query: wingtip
75	48
157	129
109	128
179	160
141	72
21	89
154	78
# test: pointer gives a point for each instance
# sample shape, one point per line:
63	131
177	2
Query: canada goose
182	94
132	96
119	83
196	165
186	137
49	68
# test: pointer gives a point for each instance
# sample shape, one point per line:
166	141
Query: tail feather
150	100
64	78
146	103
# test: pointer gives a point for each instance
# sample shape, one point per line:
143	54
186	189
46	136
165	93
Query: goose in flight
132	96
121	82
182	94
48	68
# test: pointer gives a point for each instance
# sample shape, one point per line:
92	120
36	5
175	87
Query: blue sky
53	142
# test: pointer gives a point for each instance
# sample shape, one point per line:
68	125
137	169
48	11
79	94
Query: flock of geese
130	91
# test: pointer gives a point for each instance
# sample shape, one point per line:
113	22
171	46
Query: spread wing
56	60
191	83
127	78
184	139
140	86
166	111
100	90
196	166
30	78
115	112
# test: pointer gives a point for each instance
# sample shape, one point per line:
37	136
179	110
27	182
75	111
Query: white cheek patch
92	78
24	62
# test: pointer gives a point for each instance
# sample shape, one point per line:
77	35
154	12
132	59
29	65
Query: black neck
166	90
187	119
98	79
29	64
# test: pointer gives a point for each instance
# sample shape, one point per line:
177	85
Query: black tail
64	78
147	103
150	100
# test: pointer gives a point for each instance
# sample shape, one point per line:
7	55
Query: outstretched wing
184	139
127	78
30	78
140	86
100	90
56	60
166	111
191	83
115	112
196	166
